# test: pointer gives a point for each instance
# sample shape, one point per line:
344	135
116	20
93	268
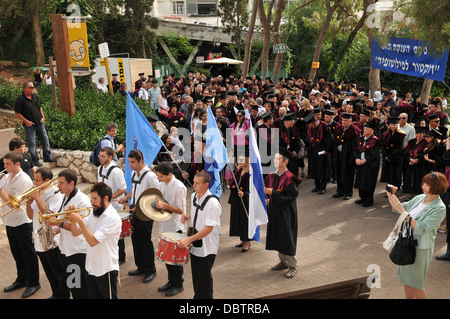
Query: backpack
93	158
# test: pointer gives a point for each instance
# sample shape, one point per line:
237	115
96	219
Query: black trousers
175	273
53	265
144	252
122	254
77	276
202	279
103	287
366	196
22	250
344	188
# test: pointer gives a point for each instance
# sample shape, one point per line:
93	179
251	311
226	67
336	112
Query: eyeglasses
31	87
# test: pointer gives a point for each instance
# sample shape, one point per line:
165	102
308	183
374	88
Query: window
196	8
178	7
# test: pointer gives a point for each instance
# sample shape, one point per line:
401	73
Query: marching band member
144	253
174	192
205	242
101	229
112	175
18	227
42	202
73	248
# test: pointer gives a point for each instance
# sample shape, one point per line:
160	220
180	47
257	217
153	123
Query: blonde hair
306	104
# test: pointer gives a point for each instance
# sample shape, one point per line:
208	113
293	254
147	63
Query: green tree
235	17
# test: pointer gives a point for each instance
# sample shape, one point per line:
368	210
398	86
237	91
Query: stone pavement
337	240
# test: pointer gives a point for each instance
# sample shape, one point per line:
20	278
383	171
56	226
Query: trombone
19	200
42	217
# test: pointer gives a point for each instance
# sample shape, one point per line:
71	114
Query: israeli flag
257	214
215	154
140	136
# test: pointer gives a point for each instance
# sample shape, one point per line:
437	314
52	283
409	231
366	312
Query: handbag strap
400	220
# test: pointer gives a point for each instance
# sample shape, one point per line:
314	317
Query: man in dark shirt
28	110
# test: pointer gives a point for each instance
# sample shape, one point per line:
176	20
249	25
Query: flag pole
237	187
173	159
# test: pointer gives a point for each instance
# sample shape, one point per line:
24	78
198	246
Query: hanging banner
78	44
409	57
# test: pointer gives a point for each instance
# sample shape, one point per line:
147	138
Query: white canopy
223	61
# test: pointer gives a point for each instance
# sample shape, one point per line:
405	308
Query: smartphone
389	189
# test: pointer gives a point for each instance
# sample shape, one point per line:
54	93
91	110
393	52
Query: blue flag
140	136
257	214
215	154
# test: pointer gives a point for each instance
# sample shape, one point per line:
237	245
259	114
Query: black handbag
404	250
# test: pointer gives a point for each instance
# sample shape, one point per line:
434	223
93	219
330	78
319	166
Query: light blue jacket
427	221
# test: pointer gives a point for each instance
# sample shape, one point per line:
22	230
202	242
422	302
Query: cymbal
146	209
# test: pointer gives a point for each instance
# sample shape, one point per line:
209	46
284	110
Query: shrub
93	110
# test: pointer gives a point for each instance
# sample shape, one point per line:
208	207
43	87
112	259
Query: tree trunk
265	21
374	74
248	41
426	89
350	39
38	44
322	35
277	39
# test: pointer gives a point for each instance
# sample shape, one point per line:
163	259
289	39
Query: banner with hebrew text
409	57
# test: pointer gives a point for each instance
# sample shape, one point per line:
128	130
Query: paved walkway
337	240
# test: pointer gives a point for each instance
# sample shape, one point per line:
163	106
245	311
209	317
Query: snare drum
126	224
168	251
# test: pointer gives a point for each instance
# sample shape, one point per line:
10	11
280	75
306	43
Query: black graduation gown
367	174
238	215
345	158
321	140
289	140
412	178
391	171
265	133
282	213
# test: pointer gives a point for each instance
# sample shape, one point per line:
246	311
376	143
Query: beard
99	210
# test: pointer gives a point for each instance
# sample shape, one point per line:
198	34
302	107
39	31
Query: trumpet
47	216
19	200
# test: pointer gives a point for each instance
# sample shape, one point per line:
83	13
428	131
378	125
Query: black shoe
239	245
173	291
245	250
135	272
314	190
30	291
38	164
360	201
122	261
149	277
347	197
51	160
443	258
164	288
367	204
337	195
321	192
14	286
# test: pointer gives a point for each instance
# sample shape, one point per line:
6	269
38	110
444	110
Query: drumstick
177	241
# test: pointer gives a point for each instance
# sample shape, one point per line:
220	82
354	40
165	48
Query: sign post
104	54
62	56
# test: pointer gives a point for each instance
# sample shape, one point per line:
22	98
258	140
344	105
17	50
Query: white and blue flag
257	214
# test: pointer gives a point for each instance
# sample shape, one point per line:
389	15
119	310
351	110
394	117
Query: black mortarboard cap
432	117
284	152
152	118
288	117
266	116
435	133
310	117
114	74
420	129
393	120
346	115
371	125
141	74
330	112
317	110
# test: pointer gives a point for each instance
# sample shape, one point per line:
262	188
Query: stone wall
8	119
79	162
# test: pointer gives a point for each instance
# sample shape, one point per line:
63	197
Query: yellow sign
121	70
315	65
78	44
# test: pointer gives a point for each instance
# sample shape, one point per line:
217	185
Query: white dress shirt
175	194
210	216
150	180
53	197
115	180
103	257
15	186
69	244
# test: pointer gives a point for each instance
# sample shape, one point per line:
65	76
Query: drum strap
201	207
65	202
136	183
107	173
